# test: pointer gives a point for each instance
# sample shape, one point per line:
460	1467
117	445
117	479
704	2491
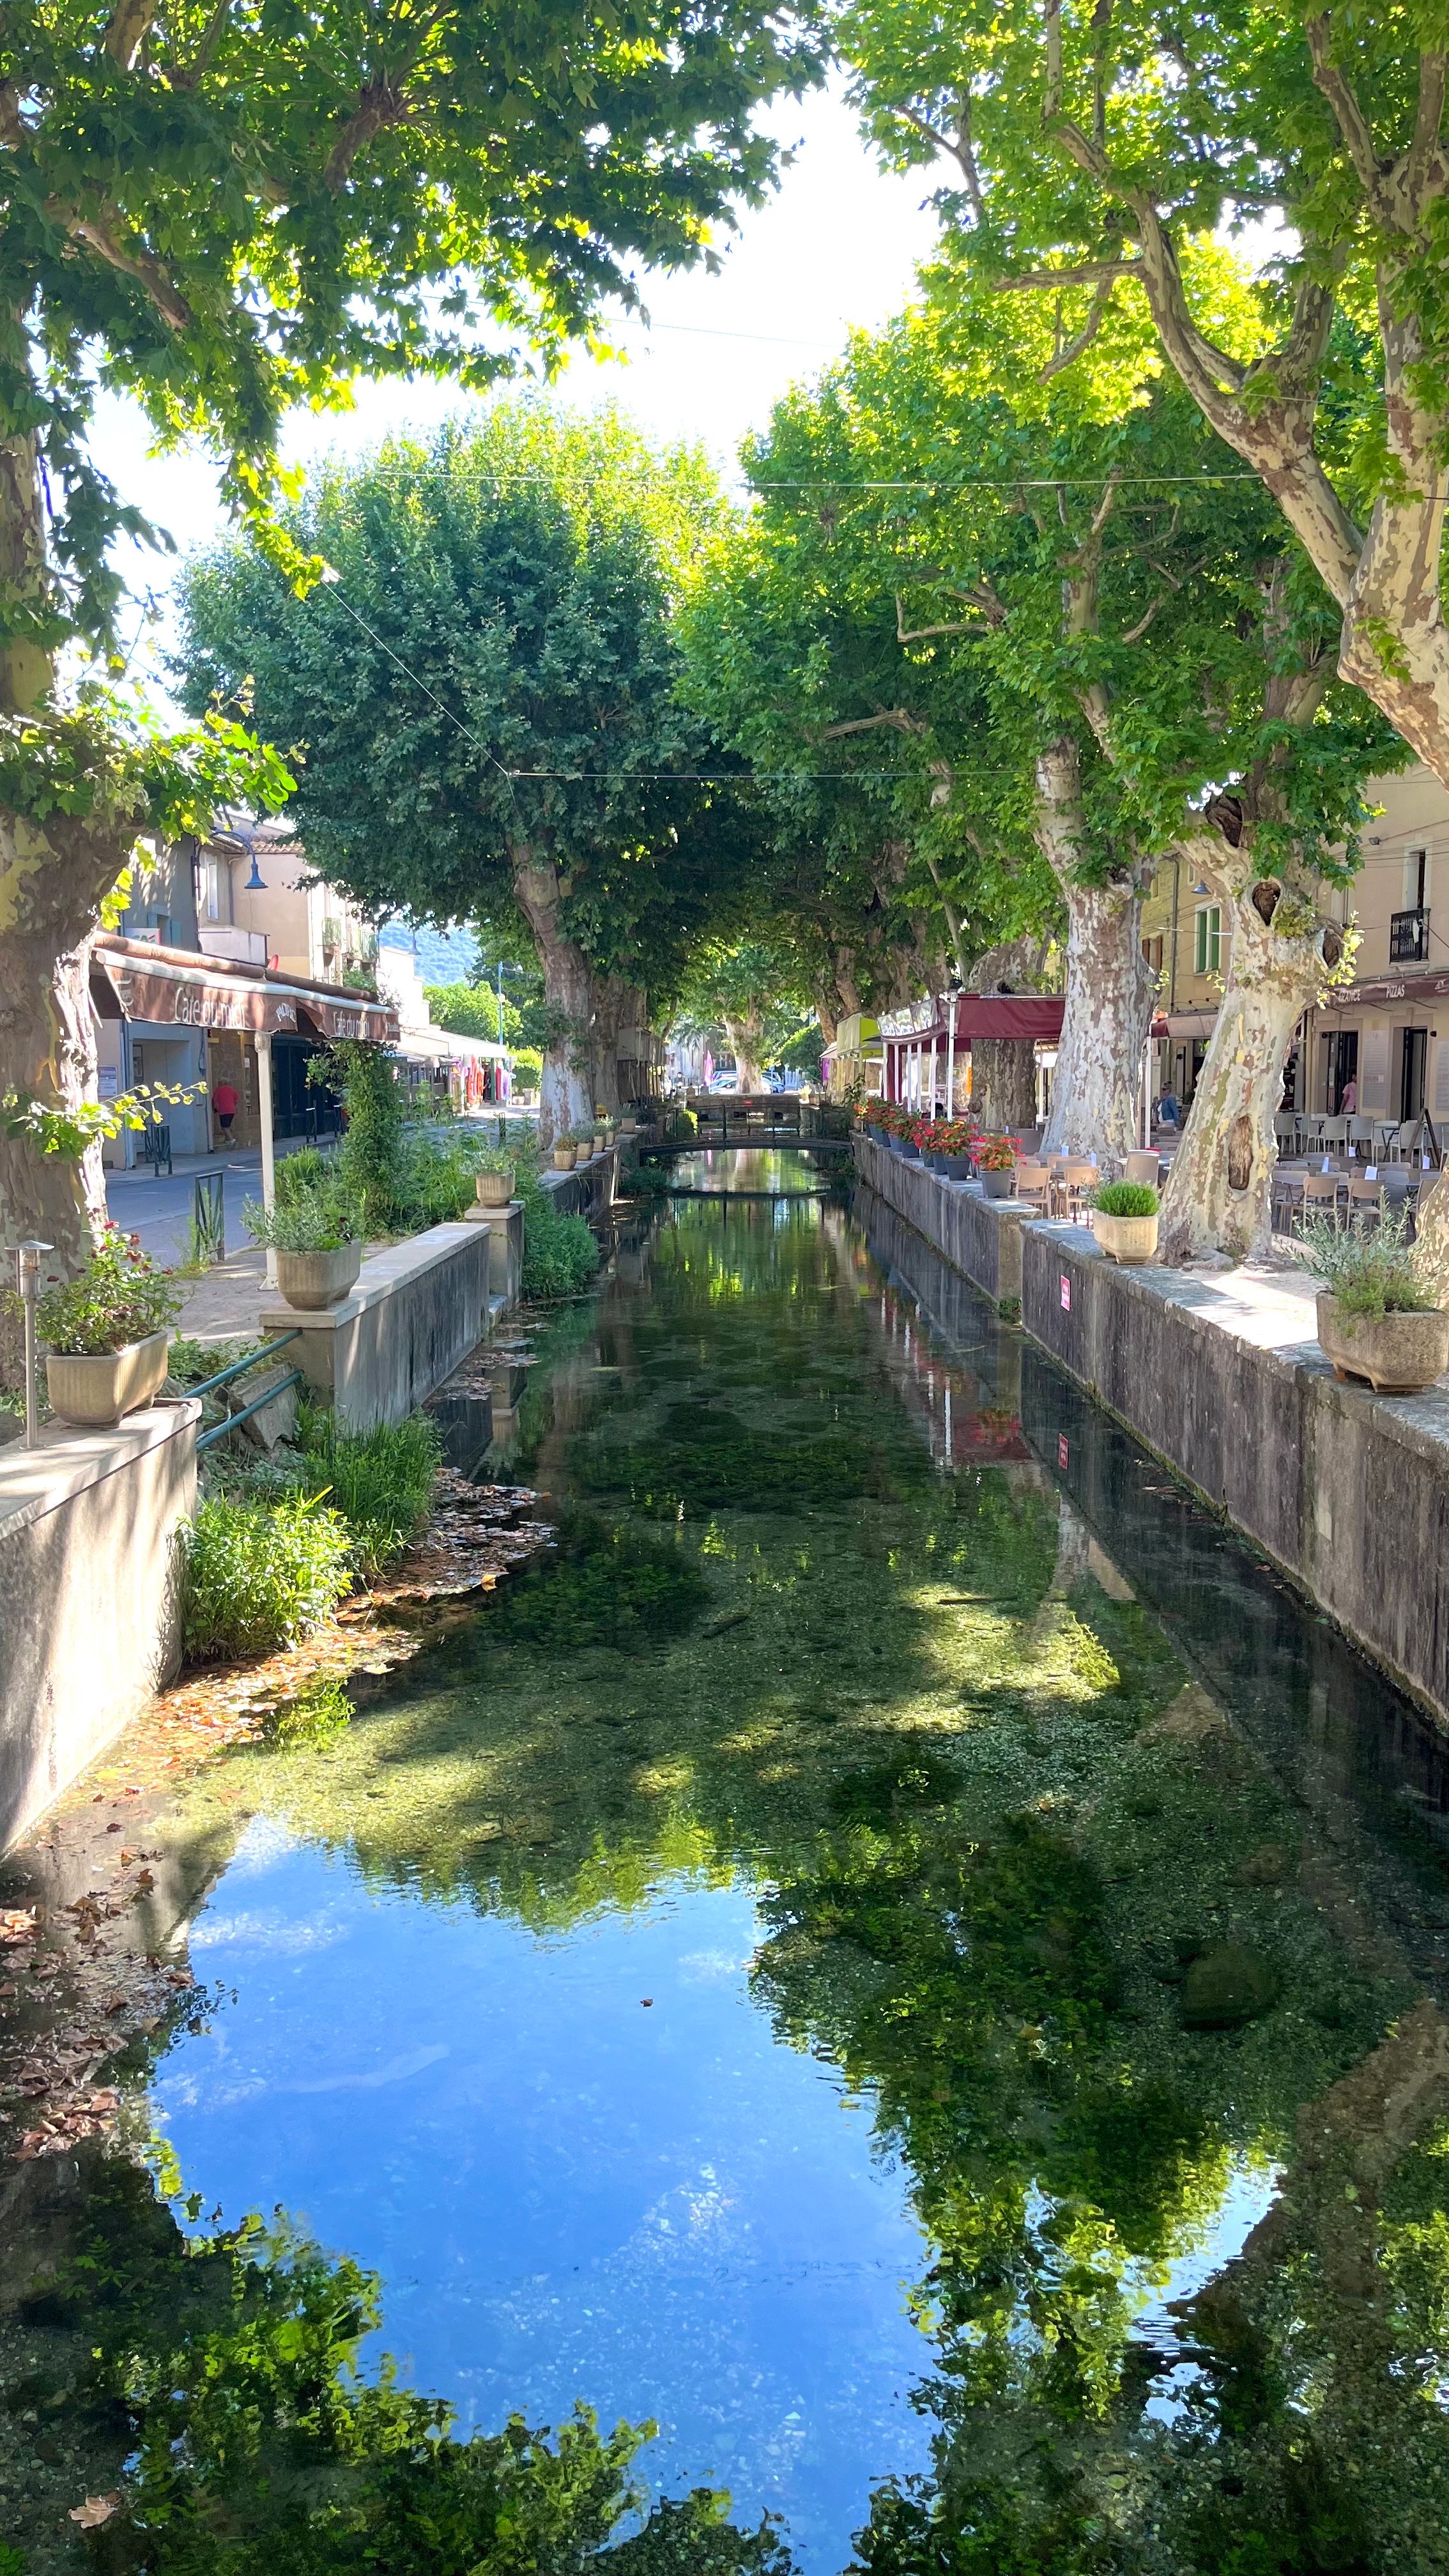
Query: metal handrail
238	1368
234	1420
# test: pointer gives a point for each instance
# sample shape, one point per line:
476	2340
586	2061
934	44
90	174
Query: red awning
133	980
1009	1015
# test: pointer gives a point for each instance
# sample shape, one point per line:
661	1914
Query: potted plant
995	1158
315	1230
957	1141
1124	1220
582	1139
106	1333
494	1175
1377	1317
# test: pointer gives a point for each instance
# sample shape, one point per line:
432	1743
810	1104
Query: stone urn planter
998	1185
563	1158
1126	1238
312	1280
628	1126
601	1142
494	1189
1397	1354
94	1389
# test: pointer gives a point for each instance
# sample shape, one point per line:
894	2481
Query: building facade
1387	1032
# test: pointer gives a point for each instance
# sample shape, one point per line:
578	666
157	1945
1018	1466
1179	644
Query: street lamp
27	1278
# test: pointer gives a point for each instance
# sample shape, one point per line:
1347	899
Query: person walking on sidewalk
224	1104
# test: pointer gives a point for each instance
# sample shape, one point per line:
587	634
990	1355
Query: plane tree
484	701
1106	648
1088	153
224	211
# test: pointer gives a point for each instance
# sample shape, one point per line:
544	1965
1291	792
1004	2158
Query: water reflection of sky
569	2192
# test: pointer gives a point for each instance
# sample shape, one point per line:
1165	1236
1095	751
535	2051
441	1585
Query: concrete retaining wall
589	1189
978	1236
416	1311
89	1581
1347	1491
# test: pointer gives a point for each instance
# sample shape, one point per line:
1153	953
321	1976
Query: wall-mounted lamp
1199	888
256	882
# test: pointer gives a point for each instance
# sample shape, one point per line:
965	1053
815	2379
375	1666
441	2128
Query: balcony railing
1408	937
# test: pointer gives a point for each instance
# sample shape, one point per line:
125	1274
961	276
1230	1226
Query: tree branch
898	719
1353	125
1091	272
148	272
127	29
187	75
1428	118
1082	339
1135	633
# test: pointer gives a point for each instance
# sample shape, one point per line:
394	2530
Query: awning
1009	1015
170	987
856	1033
1386	993
1186	1024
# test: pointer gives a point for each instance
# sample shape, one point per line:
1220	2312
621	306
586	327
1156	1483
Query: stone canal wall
978	1236
88	1577
1348	1492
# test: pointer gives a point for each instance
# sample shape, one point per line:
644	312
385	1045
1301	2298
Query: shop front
171	1017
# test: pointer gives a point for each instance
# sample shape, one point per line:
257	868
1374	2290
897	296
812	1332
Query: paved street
160	1211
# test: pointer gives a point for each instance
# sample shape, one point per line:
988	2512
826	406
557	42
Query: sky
836	247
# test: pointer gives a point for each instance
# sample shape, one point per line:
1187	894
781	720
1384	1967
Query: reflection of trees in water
224	2371
1032	1890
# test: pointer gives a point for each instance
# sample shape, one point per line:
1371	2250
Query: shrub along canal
900	1955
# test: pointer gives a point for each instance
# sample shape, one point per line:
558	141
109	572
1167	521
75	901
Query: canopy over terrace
924	1042
132	979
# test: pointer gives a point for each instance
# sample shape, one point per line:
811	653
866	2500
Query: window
1152	950
1416	880
1208	939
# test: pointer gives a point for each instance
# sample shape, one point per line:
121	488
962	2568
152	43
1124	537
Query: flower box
312	1280
94	1389
563	1158
1398	1354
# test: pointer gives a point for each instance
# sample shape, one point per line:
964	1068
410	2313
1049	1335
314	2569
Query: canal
900	1957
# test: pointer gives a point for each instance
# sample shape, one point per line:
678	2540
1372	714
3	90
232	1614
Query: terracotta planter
494	1189
1397	1354
94	1390
312	1280
1126	1238
998	1185
563	1158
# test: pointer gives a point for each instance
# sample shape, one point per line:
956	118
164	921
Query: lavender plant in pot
107	1333
1378	1316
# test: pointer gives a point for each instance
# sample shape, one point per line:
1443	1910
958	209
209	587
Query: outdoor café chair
1285	1130
1143	1169
1361	1132
1365	1201
1071	1184
1320	1195
1034	1186
1333	1136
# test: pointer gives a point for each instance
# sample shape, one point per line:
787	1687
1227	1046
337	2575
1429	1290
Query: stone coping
69	1461
1271	1310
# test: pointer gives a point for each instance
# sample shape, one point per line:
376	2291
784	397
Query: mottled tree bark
1003	1082
53	875
1109	988
564	1096
746	1032
1219	1192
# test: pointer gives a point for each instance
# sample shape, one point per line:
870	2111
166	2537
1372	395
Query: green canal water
900	1957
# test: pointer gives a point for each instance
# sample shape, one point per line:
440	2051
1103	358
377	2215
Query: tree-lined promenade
1113	547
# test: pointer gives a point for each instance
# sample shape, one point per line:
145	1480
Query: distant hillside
444	956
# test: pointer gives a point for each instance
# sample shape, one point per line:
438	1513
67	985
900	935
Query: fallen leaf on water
96	2509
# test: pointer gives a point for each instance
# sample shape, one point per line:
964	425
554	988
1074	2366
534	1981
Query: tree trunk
1219	1192
565	1100
746	1037
1109	986
1003	1082
1098	1079
617	1006
52	879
